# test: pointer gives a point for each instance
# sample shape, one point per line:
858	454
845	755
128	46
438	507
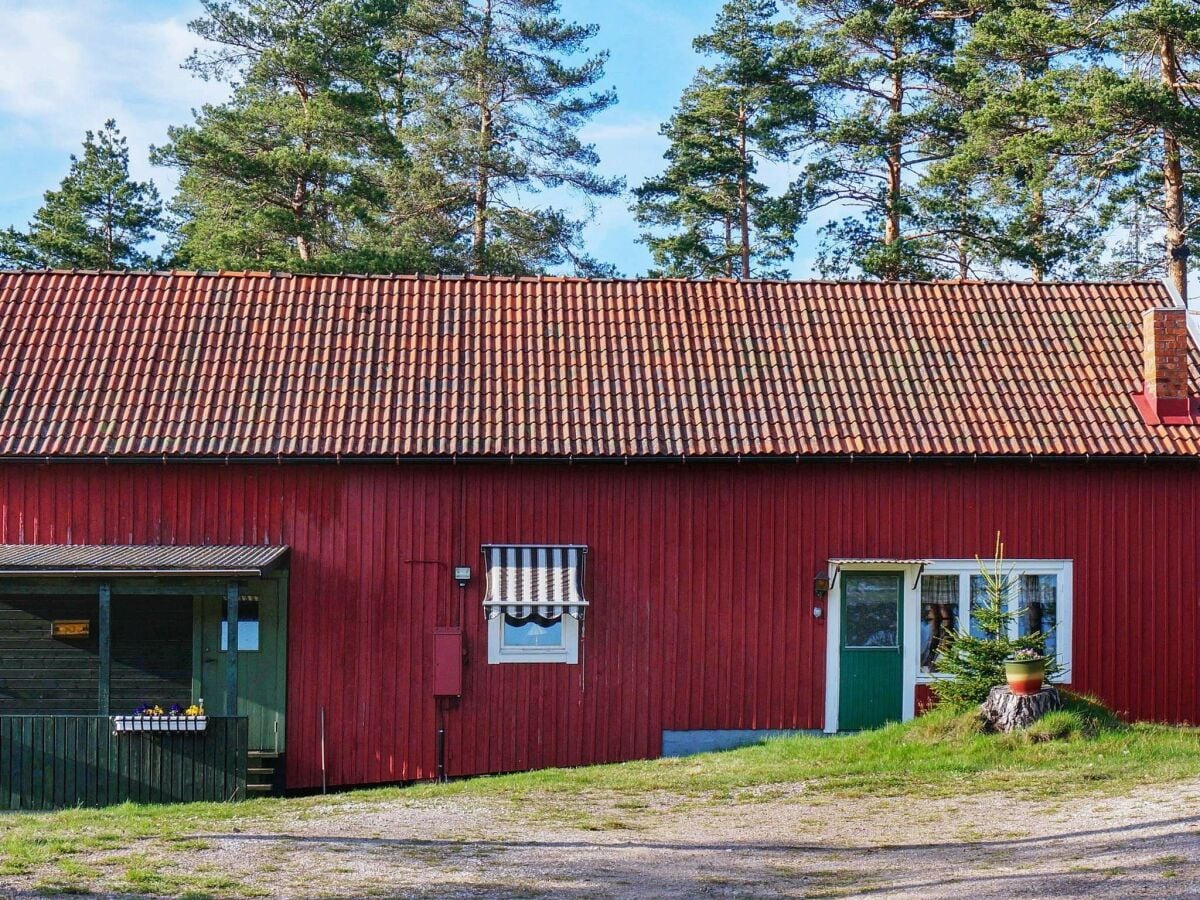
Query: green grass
1080	717
1081	749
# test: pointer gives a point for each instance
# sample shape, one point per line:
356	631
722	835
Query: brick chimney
1165	398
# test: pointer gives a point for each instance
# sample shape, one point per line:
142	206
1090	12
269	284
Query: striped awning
525	580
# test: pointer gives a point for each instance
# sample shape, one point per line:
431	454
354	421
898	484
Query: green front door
262	648
872	673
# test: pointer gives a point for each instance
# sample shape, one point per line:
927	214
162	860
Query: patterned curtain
939	615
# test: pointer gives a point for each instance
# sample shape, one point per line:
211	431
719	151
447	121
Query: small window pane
248	633
1039	608
939	616
534	631
872	610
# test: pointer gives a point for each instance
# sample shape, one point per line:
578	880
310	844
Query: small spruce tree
99	218
975	663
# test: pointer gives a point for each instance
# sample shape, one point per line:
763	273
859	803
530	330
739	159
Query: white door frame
833	636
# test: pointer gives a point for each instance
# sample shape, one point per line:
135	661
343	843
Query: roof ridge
577	279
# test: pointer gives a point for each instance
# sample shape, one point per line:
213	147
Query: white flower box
122	724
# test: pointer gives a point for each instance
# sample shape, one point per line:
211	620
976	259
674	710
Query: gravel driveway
776	842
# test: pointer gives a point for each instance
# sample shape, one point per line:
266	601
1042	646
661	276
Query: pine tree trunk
299	212
109	261
486	136
895	150
1173	202
300	191
962	244
728	245
1005	711
479	225
743	192
1038	226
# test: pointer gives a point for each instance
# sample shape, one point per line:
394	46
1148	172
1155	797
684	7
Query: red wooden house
472	525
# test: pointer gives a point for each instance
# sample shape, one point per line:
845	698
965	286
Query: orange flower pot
1025	676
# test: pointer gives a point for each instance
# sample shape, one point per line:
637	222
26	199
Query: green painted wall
39	674
262	673
151	654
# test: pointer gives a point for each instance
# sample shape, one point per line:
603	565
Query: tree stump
1005	711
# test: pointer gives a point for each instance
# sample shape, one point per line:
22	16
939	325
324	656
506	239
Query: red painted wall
699	575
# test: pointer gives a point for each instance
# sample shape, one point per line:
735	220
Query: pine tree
720	220
1149	102
874	68
292	171
974	663
16	251
956	219
499	92
98	218
1135	252
1015	142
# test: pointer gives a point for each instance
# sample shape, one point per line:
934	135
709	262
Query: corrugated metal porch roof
901	560
138	559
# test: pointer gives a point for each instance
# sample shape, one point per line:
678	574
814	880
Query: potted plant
151	717
1025	671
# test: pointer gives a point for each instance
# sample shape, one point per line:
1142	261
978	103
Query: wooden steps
264	774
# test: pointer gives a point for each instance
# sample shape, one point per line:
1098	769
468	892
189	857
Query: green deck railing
51	762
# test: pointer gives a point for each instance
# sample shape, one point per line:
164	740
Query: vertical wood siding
52	762
699	576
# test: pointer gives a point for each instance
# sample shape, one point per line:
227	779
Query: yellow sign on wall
70	628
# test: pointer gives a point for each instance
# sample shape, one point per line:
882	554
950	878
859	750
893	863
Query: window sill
934	678
505	659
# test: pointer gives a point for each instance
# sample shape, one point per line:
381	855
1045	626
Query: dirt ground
775	843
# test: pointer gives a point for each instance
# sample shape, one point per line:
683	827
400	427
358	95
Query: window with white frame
247	626
950	589
534	602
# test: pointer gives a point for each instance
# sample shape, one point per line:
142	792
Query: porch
50	762
92	633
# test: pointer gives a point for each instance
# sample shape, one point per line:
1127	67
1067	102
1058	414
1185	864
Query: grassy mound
1079	749
1081	718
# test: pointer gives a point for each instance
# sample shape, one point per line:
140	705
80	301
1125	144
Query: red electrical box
447	662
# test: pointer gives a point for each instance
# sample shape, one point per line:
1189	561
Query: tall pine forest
916	139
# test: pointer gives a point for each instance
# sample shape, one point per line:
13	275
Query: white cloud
68	65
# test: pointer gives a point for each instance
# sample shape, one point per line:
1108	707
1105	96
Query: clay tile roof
265	365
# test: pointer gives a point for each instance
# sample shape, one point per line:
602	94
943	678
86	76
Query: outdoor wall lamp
820	589
462	574
821	584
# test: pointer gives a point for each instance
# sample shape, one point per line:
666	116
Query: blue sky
70	64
